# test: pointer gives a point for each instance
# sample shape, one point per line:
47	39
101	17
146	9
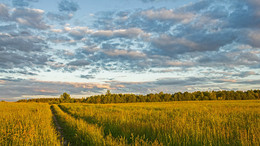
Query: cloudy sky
85	47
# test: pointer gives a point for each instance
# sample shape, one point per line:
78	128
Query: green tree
65	96
108	92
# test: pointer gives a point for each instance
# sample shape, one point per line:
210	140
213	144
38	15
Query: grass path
59	129
79	132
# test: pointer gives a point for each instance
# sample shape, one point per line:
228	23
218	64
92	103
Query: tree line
157	97
64	98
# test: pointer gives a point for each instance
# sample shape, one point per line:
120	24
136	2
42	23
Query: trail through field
172	123
63	141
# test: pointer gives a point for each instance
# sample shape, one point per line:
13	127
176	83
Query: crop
79	132
161	123
27	124
176	123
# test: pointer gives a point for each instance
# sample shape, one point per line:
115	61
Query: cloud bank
201	45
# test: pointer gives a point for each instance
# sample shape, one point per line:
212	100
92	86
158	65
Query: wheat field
164	123
27	124
176	123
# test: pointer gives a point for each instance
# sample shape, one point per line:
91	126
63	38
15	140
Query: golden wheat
176	123
27	124
168	123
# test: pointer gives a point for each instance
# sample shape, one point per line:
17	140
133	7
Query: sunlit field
175	123
27	124
164	123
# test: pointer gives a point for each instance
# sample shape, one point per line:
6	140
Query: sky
86	47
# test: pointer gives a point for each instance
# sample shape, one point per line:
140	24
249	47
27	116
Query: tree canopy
65	96
157	97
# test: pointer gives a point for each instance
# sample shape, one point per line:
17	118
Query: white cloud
32	18
179	63
77	32
81	32
57	30
129	33
133	54
168	14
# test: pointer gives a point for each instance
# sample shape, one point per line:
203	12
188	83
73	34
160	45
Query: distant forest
157	97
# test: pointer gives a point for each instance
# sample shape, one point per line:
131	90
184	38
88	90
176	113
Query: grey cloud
78	32
197	6
21	50
56	65
247	58
87	76
170	85
59	39
202	34
10	79
171	46
252	38
205	32
127	33
230	59
244	14
250	82
245	74
68	6
212	41
220	58
167	70
10	60
89	49
79	63
130	87
8	28
195	42
234	14
21	42
104	20
118	59
26	73
148	25
242	18
23	72
77	35
181	82
30	17
59	16
4	12
109	58
22	3
129	19
119	64
217	12
185	40
14	89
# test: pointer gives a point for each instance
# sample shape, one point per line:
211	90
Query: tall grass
79	132
169	123
176	123
27	124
